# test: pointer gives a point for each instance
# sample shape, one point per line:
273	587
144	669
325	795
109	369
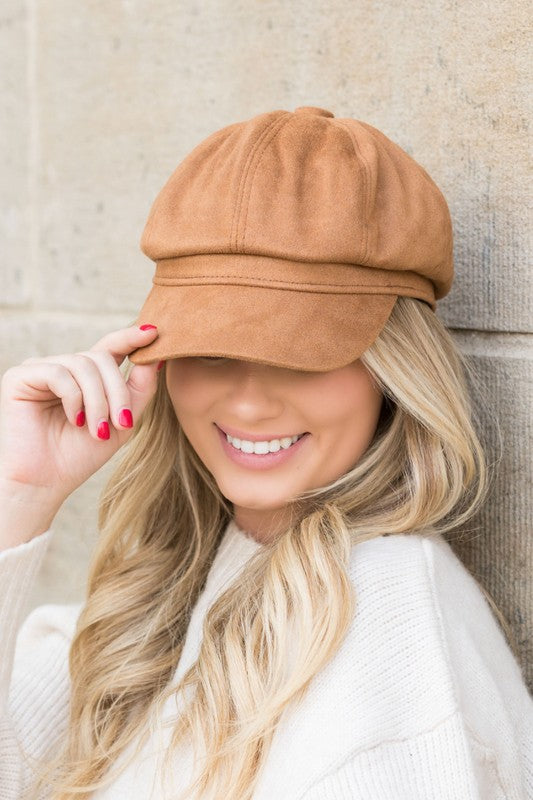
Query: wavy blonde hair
161	520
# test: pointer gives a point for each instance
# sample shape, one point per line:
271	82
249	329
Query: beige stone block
16	141
496	544
27	334
92	197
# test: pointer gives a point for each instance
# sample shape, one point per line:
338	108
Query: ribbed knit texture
423	701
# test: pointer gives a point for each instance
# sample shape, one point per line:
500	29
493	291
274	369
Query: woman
272	610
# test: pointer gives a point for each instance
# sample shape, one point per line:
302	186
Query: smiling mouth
262	454
256	438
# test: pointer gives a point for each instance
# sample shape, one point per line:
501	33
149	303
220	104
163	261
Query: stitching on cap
240	192
366	173
284	120
213	279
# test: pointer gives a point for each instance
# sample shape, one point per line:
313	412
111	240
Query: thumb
142	383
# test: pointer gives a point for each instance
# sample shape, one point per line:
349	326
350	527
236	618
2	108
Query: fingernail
103	430
148	327
125	418
80	419
159	366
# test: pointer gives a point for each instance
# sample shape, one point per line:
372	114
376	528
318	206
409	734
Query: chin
253	501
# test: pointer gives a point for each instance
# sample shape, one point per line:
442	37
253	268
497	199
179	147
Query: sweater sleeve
445	763
34	681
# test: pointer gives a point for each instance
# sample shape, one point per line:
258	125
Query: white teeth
261	448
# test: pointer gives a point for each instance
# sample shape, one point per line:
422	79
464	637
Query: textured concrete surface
100	101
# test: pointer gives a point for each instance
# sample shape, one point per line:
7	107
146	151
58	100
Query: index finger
123	341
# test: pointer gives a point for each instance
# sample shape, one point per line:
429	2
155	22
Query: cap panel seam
240	190
234	234
366	174
283	121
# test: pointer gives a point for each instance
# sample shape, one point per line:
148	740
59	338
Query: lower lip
255	461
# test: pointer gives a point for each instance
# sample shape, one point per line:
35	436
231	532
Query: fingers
123	341
88	382
92	389
48	381
106	399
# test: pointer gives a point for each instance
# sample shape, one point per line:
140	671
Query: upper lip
265	437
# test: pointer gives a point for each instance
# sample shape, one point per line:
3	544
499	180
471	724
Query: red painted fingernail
103	430
148	327
159	365
80	419
125	418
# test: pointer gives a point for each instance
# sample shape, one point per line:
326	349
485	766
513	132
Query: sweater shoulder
422	652
418	602
395	649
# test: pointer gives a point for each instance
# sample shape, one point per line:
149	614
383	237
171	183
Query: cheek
190	394
345	423
351	407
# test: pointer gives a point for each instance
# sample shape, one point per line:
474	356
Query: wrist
25	511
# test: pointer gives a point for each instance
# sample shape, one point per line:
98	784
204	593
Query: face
338	412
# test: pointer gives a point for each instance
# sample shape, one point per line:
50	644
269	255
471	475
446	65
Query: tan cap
285	239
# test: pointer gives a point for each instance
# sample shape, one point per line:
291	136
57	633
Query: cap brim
312	331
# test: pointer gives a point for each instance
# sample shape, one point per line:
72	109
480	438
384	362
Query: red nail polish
125	418
80	418
103	430
148	327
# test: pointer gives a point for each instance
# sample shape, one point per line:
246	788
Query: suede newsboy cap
286	238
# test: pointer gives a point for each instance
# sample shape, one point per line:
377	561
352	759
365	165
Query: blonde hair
161	520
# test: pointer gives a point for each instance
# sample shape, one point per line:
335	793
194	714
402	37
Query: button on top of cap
321	112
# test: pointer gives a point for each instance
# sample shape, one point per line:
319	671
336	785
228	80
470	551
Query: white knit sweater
423	701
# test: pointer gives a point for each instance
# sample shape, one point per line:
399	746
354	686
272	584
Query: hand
41	446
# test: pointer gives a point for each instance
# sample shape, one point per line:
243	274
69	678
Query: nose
253	393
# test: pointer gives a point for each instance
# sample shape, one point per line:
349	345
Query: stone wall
100	101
